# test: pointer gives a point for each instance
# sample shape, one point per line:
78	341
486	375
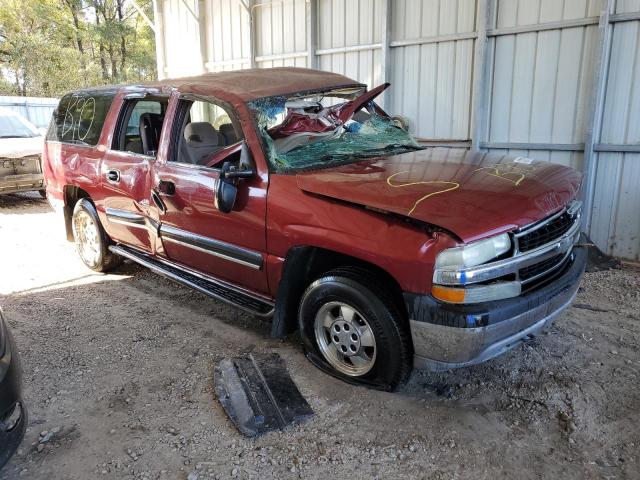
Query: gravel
118	380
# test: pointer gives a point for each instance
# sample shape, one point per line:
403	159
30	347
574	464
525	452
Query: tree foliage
48	47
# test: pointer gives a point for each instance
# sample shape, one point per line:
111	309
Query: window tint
207	129
79	117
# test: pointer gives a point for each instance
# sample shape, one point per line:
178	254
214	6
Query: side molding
217	248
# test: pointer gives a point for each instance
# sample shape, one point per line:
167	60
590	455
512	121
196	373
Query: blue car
13	415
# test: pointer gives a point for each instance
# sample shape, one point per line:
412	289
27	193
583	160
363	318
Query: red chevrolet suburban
292	195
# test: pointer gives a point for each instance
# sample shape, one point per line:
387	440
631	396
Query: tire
43	193
92	242
344	316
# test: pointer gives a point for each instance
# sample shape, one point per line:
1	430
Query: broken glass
312	132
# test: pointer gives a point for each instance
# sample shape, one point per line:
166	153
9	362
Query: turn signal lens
447	294
477	294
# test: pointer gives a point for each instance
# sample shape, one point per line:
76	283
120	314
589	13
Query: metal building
37	110
555	80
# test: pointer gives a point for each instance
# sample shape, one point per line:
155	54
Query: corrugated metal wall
529	77
35	109
615	224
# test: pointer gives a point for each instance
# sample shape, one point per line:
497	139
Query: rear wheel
354	330
90	238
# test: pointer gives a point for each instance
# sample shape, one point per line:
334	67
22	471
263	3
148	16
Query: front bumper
13	414
450	336
21	183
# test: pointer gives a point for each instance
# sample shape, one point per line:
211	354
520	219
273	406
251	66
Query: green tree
48	47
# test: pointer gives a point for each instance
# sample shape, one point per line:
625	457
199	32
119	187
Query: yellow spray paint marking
453	186
514	173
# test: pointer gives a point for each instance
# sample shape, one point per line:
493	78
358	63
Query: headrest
229	133
199	134
151	119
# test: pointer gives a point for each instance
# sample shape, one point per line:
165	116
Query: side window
80	117
140	125
207	129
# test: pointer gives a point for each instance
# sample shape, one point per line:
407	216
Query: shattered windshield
318	130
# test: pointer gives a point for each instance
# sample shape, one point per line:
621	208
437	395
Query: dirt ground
118	379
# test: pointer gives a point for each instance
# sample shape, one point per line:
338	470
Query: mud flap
258	394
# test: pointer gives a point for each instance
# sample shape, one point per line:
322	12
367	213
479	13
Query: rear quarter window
80	117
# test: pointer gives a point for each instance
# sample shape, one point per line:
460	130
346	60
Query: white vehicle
21	145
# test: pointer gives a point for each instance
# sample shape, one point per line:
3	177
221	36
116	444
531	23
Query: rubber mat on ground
258	394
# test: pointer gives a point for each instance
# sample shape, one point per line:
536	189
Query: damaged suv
291	194
21	146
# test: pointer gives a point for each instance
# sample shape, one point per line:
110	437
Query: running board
210	286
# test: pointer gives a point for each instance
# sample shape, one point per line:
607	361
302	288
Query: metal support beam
385	56
158	16
541	27
554	147
353	48
596	107
482	74
251	4
624	17
143	15
202	33
617	148
281	56
435	39
312	33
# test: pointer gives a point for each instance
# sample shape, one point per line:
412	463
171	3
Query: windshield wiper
15	136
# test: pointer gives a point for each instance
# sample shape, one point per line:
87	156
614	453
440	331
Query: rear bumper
21	183
13	415
450	336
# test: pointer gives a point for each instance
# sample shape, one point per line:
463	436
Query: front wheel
353	329
90	238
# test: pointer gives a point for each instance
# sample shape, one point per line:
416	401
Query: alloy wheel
345	338
87	236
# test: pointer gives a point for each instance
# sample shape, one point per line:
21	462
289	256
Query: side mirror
245	166
226	193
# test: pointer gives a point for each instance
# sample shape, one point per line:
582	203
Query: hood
21	147
472	194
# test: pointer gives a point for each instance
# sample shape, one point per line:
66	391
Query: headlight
475	253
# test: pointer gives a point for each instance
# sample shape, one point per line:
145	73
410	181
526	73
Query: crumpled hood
21	147
474	195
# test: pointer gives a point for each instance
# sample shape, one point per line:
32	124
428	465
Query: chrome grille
534	270
546	233
541	250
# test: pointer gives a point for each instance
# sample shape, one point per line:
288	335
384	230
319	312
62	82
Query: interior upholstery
134	146
201	140
229	134
150	129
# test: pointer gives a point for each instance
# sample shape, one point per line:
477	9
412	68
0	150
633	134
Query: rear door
125	170
195	233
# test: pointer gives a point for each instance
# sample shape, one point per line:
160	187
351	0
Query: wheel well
305	264
71	196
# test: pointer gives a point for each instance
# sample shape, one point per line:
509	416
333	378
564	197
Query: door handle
165	187
155	196
113	176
